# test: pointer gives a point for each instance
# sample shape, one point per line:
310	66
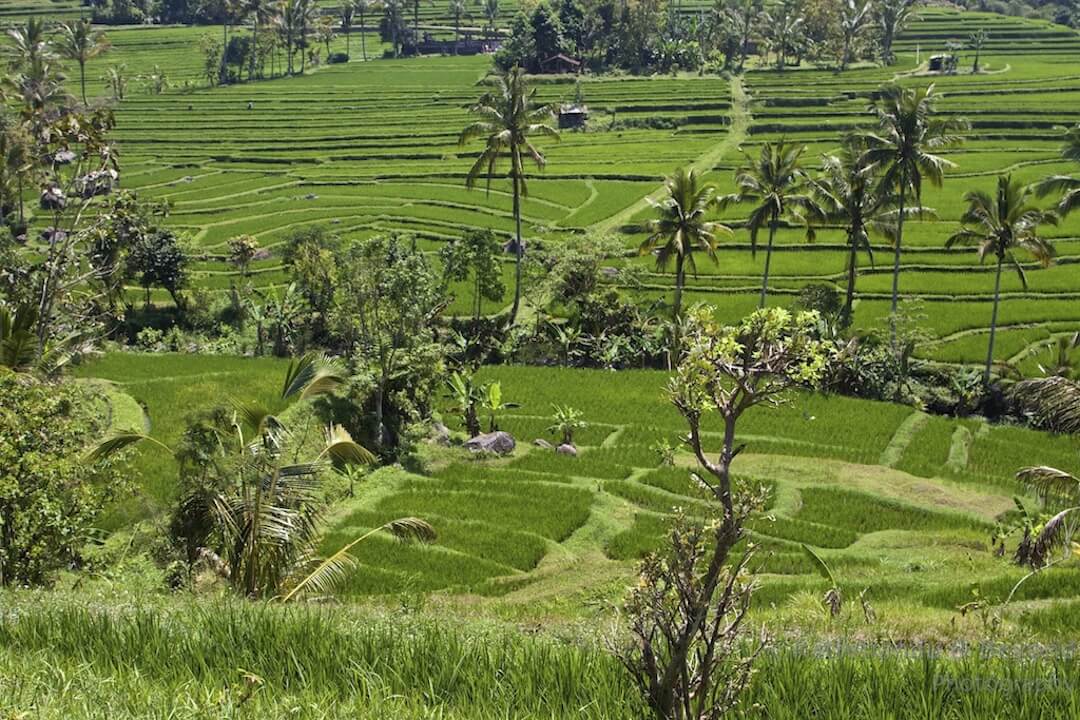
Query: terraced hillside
369	147
899	503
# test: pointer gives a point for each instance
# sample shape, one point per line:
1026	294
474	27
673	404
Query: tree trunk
254	47
768	262
363	38
348	41
896	259
519	247
993	321
380	391
82	78
849	300
680	278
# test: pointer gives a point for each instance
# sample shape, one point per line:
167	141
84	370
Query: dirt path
737	131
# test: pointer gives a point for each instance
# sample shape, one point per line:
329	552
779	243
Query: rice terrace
540	359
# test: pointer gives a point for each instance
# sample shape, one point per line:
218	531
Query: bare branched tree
688	649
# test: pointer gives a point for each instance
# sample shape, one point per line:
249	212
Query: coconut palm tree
78	41
998	226
892	18
347	11
491	15
976	41
848	193
903	150
27	45
853	20
1068	186
458	10
681	228
260	13
252	510
1056	489
780	189
363	9
508	118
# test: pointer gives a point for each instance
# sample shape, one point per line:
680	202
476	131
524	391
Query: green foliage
49	497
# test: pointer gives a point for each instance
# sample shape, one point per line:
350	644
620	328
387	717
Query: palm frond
311	375
1050	484
333	569
119	441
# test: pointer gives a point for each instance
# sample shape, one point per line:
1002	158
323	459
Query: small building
560	64
573	117
937	63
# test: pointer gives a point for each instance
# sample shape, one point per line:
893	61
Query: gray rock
567	449
542	443
501	443
440	434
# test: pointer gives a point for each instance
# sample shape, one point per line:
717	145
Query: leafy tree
687	611
385	303
115	77
123	221
476	254
242	250
310	256
998	226
78	41
903	149
778	186
212	50
682	228
508	118
393	28
49	498
158	258
784	29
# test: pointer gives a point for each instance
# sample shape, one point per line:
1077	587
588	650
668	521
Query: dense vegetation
341	380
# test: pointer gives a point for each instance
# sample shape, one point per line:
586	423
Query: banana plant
466	396
491	395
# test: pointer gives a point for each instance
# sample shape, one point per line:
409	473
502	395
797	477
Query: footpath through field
740	123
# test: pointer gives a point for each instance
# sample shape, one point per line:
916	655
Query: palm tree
491	14
347	11
458	10
27	45
853	20
902	150
847	193
363	7
1068	186
997	226
682	228
259	12
892	18
976	41
251	510
78	41
778	185
509	117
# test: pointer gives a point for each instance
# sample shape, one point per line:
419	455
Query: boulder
542	443
440	434
567	449
499	442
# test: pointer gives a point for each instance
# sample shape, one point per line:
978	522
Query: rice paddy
367	147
